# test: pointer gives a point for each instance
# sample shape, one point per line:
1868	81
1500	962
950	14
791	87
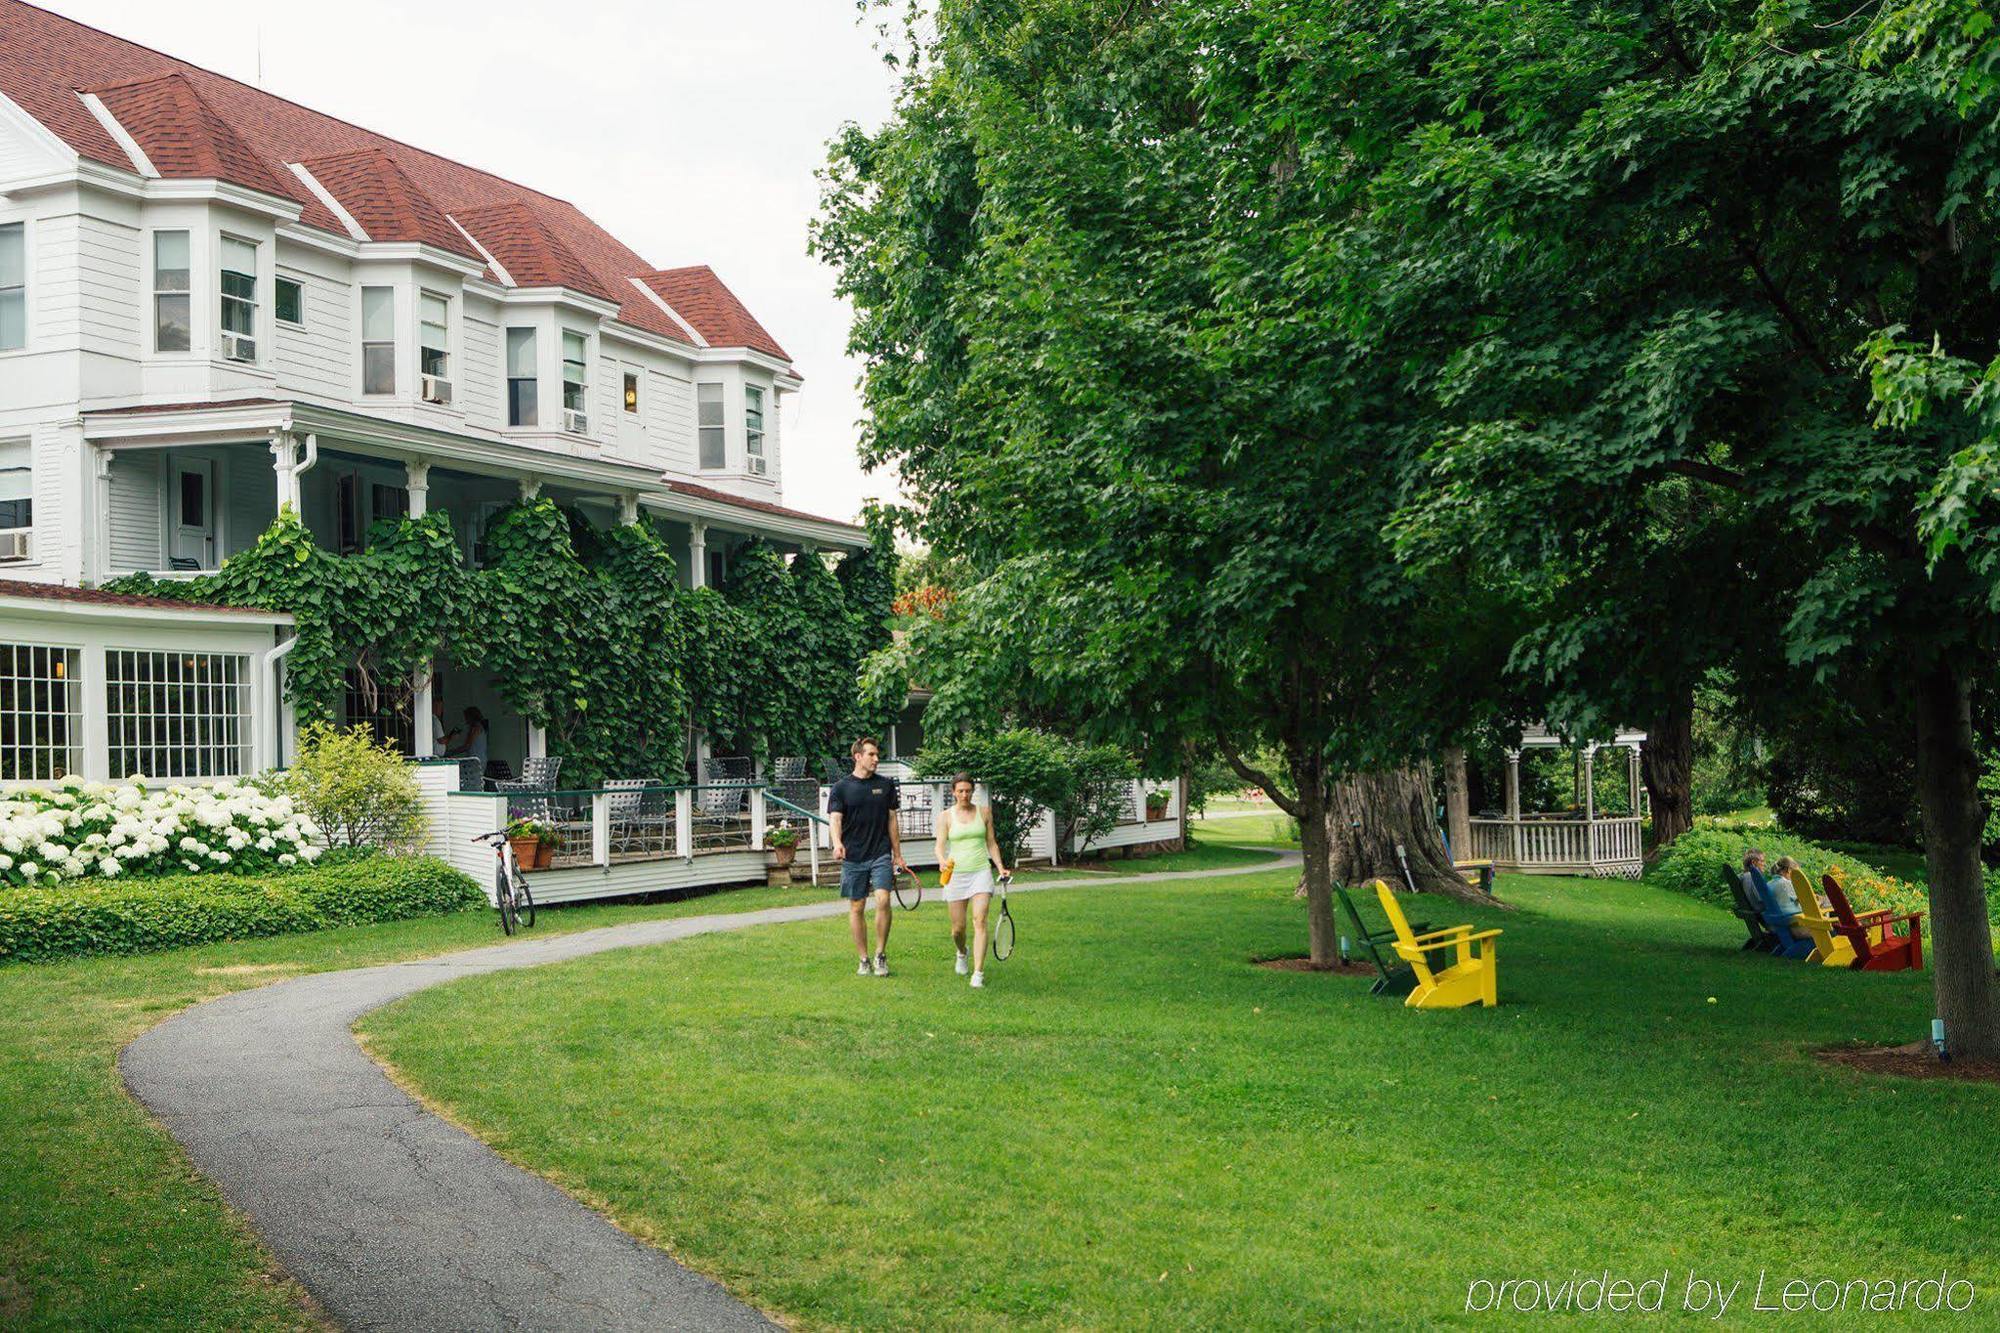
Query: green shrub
81	919
360	793
1025	770
1694	864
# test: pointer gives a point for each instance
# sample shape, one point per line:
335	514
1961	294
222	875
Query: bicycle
510	886
1003	930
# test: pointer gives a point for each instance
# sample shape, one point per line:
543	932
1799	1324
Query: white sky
690	131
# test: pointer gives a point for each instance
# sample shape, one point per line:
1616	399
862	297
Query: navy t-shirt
865	806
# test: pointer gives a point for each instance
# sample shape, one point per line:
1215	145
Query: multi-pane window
576	383
173	313
178	715
708	421
17	485
239	299
434	347
753	428
631	392
13	287
41	712
378	340
288	301
521	407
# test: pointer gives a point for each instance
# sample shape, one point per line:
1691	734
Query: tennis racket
908	898
1003	929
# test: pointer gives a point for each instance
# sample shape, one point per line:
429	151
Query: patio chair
541	770
727	768
1379	944
637	825
1752	916
472	775
499	770
1472	979
718	810
1830	947
526	800
1780	918
1878	946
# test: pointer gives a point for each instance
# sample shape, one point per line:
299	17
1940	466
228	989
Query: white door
194	515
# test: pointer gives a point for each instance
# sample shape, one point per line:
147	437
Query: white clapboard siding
476	379
317	358
136	541
669	408
249	495
57	305
107	273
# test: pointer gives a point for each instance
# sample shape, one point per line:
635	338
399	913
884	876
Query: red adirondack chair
1878	946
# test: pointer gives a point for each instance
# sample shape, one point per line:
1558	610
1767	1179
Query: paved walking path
391	1217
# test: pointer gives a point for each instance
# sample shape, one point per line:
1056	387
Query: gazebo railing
1606	845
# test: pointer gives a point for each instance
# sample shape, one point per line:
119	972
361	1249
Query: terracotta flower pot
784	856
1156	812
545	855
526	850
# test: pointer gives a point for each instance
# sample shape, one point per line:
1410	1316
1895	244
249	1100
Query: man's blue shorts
859	878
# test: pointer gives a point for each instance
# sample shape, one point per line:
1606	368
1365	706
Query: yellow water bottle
944	875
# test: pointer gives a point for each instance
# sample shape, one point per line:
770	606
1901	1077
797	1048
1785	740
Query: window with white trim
708	420
17	485
378	340
288	302
521	406
178	715
13	287
753	429
632	392
434	347
576	381
173	301
41	712
239	299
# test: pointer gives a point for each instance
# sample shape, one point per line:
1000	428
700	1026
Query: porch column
531	488
1590	804
1514	806
628	508
698	555
284	463
420	699
417	485
1632	781
99	559
538	742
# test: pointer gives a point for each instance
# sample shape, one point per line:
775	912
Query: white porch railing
1608	846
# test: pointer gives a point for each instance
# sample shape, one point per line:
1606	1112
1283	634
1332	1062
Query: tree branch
1255	775
1708	472
1801	332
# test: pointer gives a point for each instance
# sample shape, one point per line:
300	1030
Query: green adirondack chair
1378	945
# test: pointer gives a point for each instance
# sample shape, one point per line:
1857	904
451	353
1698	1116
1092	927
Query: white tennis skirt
965	883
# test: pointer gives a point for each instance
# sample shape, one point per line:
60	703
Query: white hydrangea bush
84	830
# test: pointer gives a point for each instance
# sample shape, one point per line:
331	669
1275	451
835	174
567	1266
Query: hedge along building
216	304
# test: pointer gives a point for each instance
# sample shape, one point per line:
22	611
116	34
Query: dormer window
173	319
708	421
631	393
239	299
576	383
434	348
13	287
753	429
521	407
378	340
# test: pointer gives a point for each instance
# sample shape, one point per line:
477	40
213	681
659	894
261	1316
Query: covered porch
1582	840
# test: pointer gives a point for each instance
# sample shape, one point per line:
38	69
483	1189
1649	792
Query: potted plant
545	845
1156	804
784	844
524	836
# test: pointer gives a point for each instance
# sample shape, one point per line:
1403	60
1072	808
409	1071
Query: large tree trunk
1666	765
1457	803
1372	814
1317	879
1948	791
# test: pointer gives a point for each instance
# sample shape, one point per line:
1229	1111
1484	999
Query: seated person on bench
1782	892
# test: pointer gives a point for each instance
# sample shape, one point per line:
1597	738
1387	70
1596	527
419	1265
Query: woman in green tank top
966	846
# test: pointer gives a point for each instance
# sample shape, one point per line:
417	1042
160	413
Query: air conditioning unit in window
436	389
757	465
575	422
239	347
17	544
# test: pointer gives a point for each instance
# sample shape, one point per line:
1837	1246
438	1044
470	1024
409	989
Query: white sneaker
963	966
881	964
865	970
978	980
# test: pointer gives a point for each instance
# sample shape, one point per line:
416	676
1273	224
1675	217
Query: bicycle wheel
524	902
909	899
1003	935
506	896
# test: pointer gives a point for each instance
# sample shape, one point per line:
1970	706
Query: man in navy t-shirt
863	809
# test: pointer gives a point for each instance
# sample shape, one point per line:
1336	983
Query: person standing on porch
966	843
862	808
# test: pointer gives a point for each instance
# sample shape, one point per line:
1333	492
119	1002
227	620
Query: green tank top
966	842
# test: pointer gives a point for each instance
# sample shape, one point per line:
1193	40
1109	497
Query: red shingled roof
246	136
699	297
60	592
762	506
529	251
387	203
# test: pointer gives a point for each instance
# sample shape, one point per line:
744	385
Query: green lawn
1132	1126
102	1222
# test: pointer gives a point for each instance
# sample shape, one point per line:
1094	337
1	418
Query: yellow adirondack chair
1470	980
1830	948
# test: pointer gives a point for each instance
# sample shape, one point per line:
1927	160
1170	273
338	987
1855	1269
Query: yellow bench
1473	979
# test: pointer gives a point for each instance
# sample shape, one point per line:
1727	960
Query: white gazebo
1567	843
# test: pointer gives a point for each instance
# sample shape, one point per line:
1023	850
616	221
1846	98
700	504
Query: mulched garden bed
1302	963
1916	1060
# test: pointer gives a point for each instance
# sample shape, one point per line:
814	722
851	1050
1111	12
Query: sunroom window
13	287
41	712
239	299
378	340
177	714
173	313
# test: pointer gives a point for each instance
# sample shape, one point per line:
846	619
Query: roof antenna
260	55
